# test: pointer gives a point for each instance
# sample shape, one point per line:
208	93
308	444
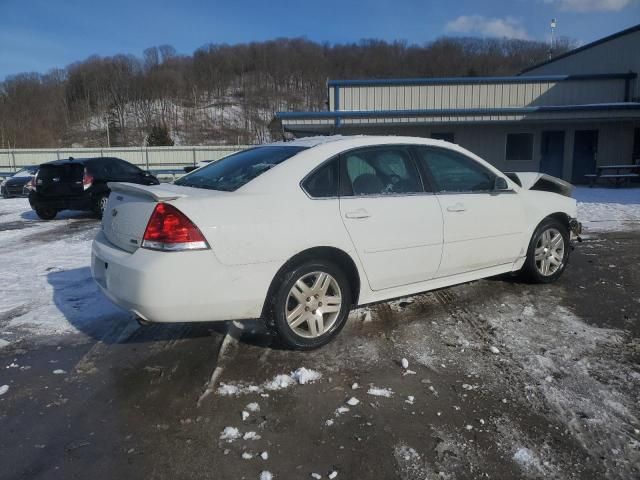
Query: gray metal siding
620	54
484	95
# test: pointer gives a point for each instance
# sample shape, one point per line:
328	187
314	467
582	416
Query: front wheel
46	213
311	305
548	252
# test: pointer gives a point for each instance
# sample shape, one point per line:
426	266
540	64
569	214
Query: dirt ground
505	380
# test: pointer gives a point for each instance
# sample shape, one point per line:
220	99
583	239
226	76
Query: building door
585	153
552	153
636	147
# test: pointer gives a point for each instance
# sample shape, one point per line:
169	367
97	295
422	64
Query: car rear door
482	227
395	226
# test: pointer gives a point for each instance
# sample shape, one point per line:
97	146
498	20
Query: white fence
149	158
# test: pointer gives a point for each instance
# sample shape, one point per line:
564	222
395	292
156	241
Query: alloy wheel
549	252
103	204
313	304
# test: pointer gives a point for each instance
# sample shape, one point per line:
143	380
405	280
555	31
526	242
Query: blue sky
37	35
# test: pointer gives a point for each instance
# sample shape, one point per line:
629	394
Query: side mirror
500	185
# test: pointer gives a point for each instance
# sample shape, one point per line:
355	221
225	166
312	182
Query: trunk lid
130	206
62	178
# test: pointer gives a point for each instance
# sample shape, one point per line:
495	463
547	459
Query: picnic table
616	174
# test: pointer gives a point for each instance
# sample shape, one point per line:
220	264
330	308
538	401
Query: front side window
234	171
519	146
453	172
381	171
323	183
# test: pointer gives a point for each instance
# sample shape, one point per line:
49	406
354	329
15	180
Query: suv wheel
548	252
46	213
311	305
101	204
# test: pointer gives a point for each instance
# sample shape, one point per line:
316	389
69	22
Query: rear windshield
236	170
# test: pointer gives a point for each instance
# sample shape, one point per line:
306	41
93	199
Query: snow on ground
46	281
601	209
300	376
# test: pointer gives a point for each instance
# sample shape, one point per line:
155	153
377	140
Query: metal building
562	117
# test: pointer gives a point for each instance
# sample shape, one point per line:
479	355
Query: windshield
236	170
26	172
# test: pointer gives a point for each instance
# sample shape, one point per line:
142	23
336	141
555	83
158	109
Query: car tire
100	204
548	252
5	194
46	213
298	309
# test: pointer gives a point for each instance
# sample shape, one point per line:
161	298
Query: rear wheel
311	305
100	204
46	213
548	252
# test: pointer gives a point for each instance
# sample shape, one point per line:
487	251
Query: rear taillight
30	185
87	179
170	230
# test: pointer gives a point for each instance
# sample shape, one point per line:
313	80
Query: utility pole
106	120
553	31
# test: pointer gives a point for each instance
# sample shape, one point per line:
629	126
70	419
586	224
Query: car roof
359	140
81	161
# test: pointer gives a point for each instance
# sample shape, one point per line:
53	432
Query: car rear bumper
81	202
189	286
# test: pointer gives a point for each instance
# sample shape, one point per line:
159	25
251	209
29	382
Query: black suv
81	184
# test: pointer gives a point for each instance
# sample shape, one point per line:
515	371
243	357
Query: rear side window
236	170
381	171
323	183
453	172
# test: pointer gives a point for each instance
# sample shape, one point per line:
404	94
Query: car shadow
63	215
88	310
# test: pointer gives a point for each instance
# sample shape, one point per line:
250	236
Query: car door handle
458	207
360	213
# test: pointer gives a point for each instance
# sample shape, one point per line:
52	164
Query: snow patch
230	434
4	389
380	392
301	376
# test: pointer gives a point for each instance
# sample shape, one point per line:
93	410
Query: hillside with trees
223	93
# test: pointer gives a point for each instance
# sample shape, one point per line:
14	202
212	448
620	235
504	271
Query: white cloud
491	27
590	5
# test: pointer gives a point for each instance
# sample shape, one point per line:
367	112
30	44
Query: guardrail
148	158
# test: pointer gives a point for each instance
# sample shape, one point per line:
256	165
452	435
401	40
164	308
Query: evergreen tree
159	136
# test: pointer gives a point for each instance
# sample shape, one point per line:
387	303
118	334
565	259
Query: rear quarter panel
252	228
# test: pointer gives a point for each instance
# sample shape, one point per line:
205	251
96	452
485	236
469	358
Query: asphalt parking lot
502	380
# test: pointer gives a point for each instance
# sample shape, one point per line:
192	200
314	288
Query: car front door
482	227
395	225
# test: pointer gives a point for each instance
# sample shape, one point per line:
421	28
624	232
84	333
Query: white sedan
298	233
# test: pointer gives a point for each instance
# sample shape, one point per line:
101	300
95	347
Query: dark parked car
201	163
15	186
81	184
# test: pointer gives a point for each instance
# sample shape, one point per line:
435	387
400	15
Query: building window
519	146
